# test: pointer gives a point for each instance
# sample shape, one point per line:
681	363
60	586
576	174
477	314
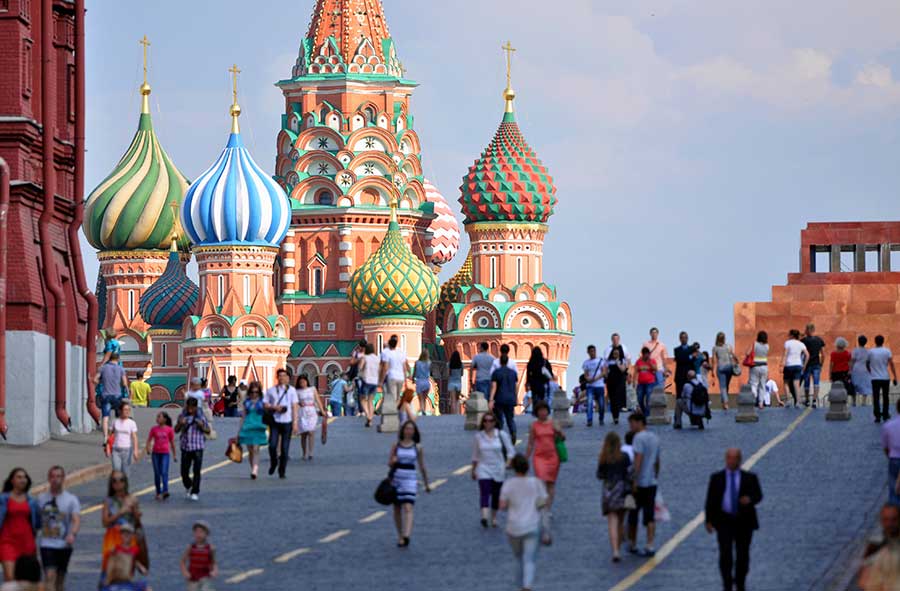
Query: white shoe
195	497
187	495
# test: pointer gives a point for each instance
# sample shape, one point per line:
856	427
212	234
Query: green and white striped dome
131	209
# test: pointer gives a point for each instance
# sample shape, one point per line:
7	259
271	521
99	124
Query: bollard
837	401
390	419
746	406
562	418
476	407
659	410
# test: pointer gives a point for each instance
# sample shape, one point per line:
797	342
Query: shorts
793	372
109	404
56	559
814	371
367	390
645	498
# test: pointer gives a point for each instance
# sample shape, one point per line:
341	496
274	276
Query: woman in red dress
542	443
20	518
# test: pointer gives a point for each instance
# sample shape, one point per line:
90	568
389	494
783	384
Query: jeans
893	471
231	411
336	408
489	493
160	472
525	550
595	393
881	401
188	459
759	375
506	412
814	372
483	386
121	459
681	408
724	375
660	378
643	395
282	431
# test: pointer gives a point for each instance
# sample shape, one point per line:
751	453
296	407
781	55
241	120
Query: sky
690	141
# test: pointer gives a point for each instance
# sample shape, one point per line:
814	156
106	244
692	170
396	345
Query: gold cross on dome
509	49
176	223
146	43
234	74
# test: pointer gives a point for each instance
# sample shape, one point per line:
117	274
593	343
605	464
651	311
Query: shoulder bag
234	452
735	366
269	413
386	492
561	450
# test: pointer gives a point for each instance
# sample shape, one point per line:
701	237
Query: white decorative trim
345	262
290	278
290	263
547	325
344	277
289	247
344	246
492	312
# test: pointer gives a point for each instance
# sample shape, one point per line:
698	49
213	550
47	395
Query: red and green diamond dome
508	183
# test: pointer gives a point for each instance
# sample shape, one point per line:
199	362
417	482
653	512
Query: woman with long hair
369	367
422	378
792	363
538	374
310	408
161	448
542	452
759	370
252	430
120	508
125	443
723	366
489	459
859	371
616	372
406	456
454	382
20	520
613	468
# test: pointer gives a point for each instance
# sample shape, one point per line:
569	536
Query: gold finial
235	107
176	225
508	93
394	203
145	88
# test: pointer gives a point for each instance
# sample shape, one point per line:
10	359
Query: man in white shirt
880	360
394	369
592	370
282	401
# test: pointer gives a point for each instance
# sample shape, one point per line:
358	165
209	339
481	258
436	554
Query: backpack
699	395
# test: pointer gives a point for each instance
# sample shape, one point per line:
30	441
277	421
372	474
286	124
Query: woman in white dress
310	408
859	373
492	451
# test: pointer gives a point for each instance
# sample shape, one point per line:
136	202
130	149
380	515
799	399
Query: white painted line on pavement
698	520
438	483
373	517
293	554
462	470
334	536
241	577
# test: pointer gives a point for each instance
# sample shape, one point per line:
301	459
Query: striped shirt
193	437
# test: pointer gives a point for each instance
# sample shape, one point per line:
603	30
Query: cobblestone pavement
820	485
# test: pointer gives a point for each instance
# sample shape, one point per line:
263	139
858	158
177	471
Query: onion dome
234	201
393	281
450	289
171	298
444	228
507	183
130	209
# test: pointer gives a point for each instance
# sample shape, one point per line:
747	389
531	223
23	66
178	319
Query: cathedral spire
145	88
509	95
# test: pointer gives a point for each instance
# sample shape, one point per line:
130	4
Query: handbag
561	450
748	360
269	413
235	452
386	492
629	504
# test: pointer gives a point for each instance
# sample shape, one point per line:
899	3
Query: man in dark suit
731	501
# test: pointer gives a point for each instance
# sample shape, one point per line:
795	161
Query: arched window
318	283
246	290
131	304
220	283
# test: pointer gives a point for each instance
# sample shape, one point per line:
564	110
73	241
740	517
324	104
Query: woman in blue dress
406	456
252	431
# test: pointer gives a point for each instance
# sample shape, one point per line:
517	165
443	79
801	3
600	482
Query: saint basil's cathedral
343	242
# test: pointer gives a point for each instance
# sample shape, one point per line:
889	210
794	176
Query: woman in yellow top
140	390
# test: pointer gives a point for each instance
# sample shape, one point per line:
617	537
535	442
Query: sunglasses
118	480
489	420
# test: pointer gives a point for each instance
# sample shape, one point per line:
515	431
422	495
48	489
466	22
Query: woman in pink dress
542	438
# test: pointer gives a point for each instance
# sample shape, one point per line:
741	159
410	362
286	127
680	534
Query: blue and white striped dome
235	202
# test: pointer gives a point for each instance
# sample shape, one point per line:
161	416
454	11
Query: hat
195	381
201	523
126	527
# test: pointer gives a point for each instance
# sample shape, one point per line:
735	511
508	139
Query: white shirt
524	495
370	369
793	352
274	394
200	395
593	370
123	429
628	451
772	387
488	452
396	361
608	351
879	360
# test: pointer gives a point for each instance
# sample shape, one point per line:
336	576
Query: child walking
198	563
161	446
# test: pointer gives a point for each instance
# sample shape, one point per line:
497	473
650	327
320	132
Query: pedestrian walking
542	451
111	382
731	500
454	382
230	397
198	563
694	401
616	344
503	396
125	441
338	390
645	370
492	447
354	371
119	575
406	456
483	366
593	370
859	371
879	360
616	375
252	430
60	523
792	364
537	375
684	361
368	371
309	408
282	403
890	443
194	428
392	374
724	367
614	469
644	485
524	499
422	377
757	357
139	390
659	355
839	367
20	521
812	369
121	516
161	449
